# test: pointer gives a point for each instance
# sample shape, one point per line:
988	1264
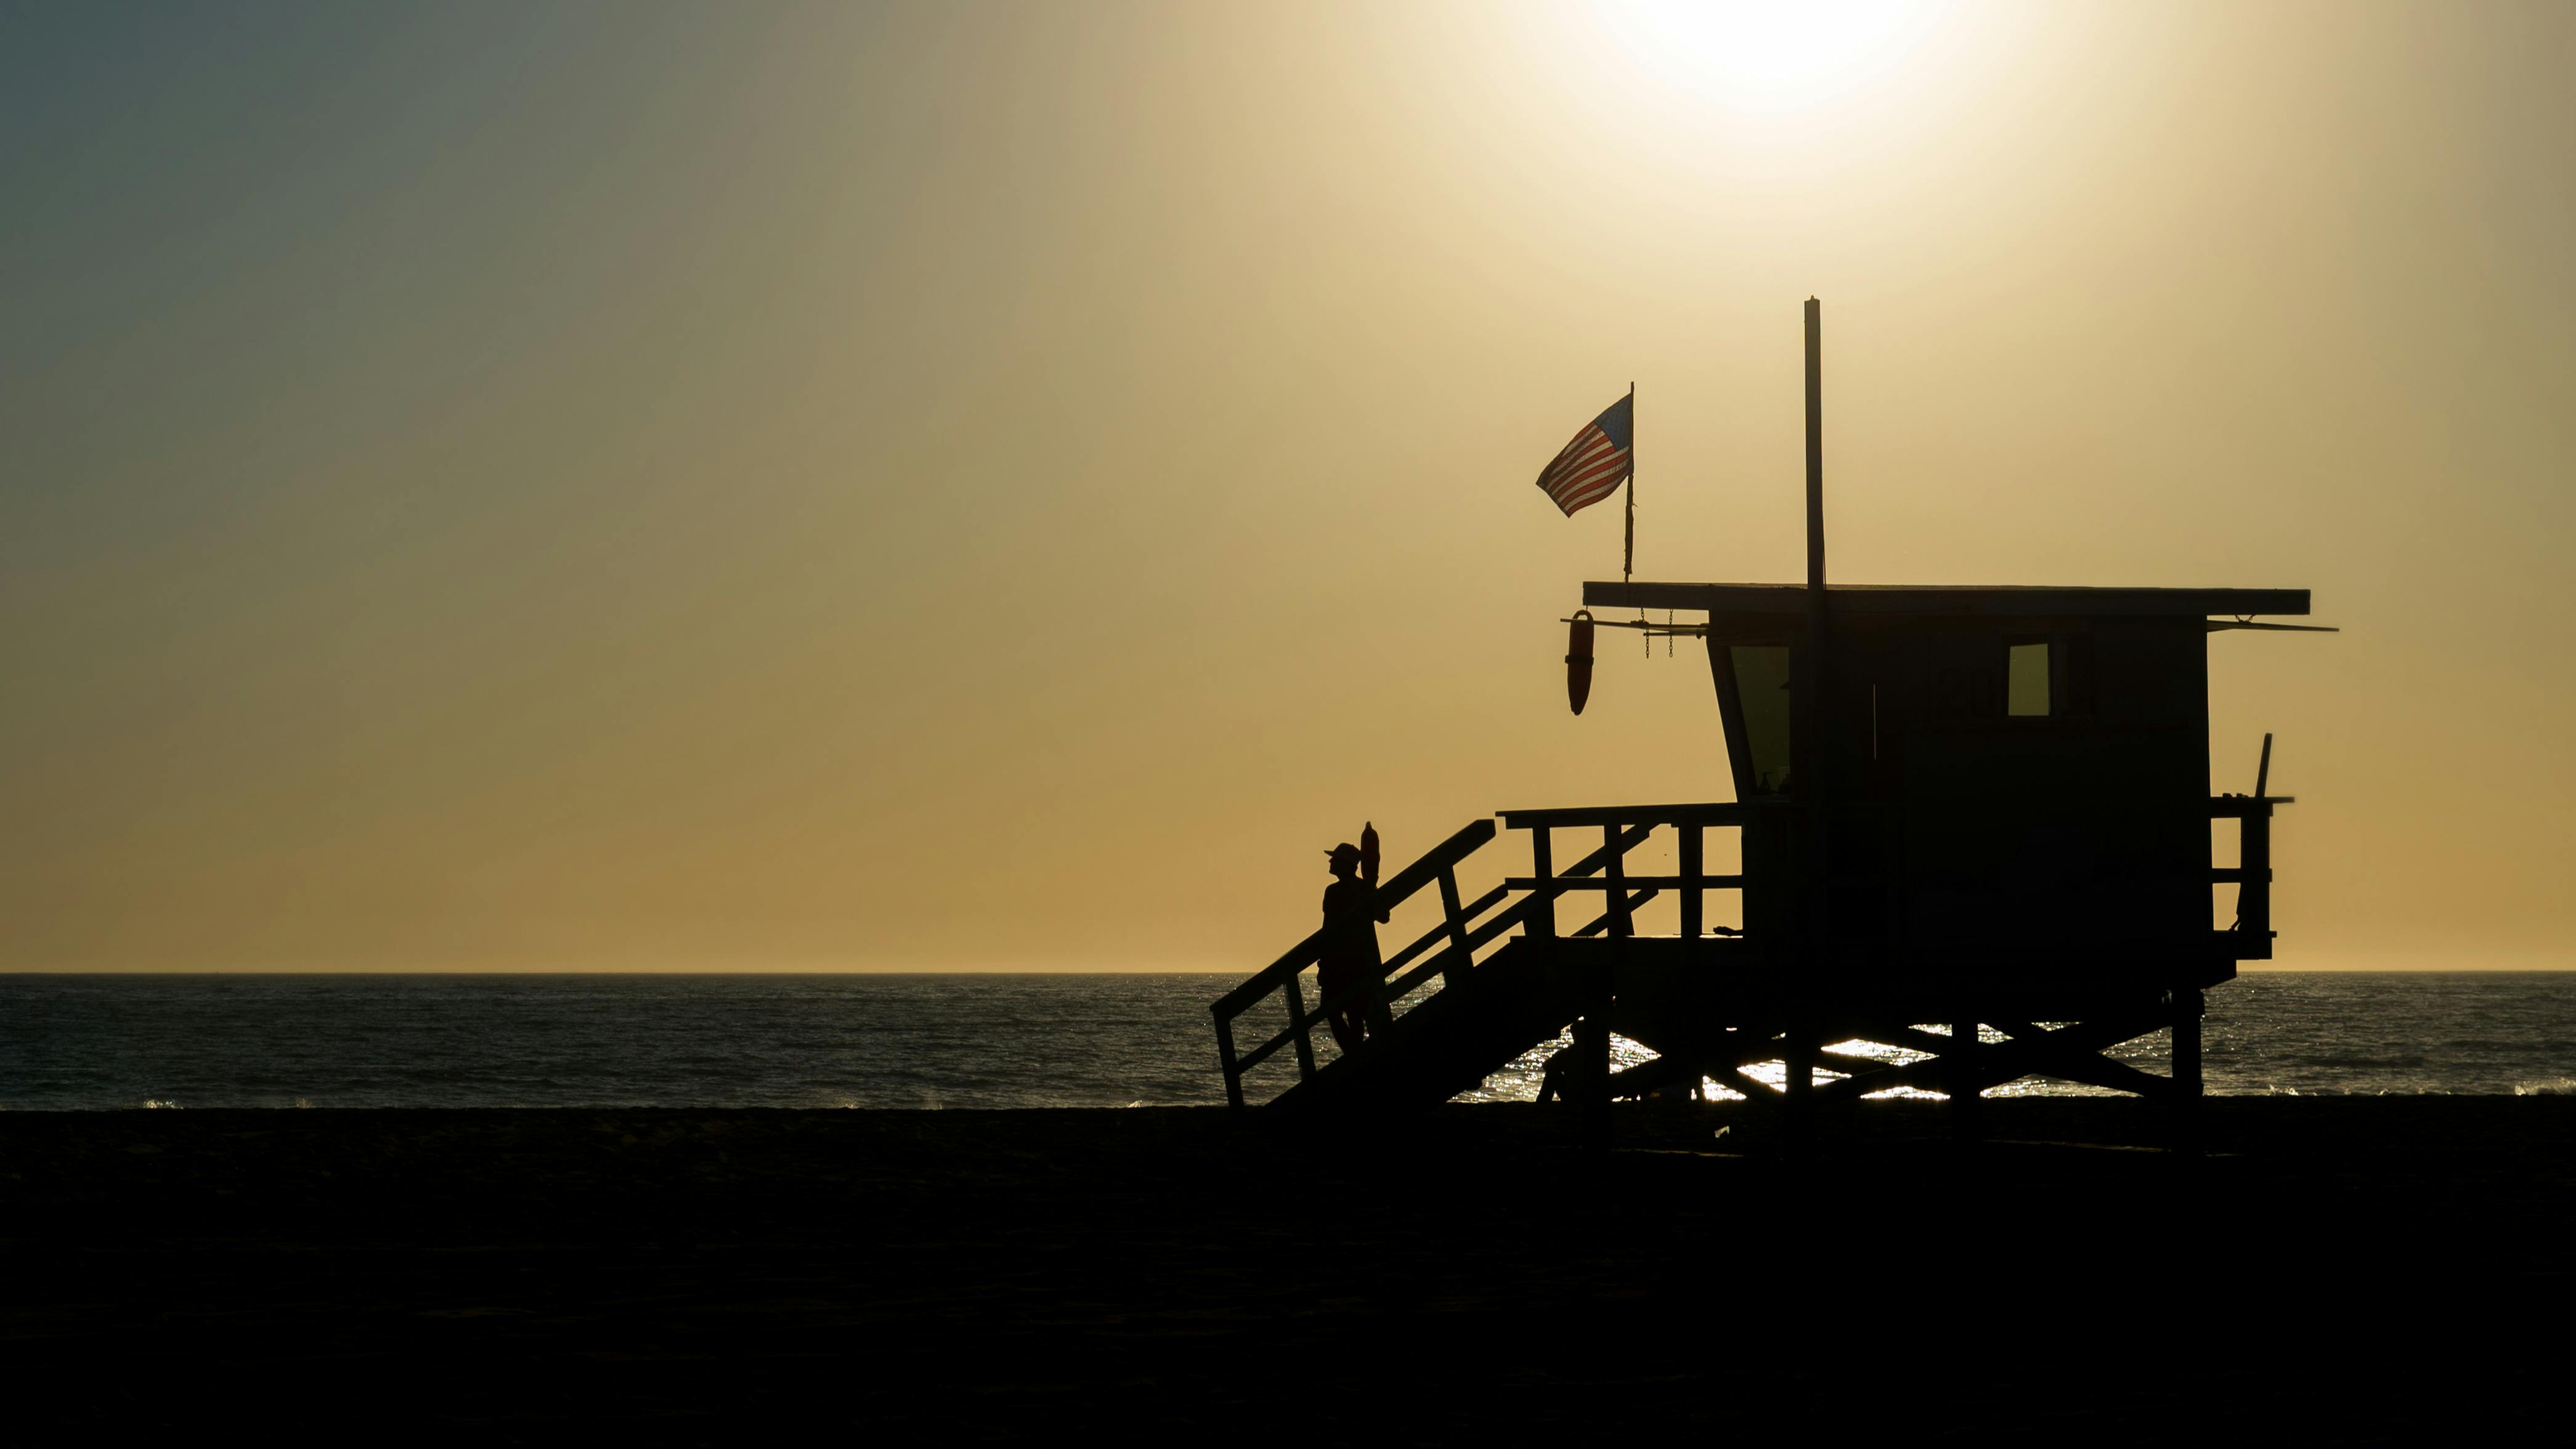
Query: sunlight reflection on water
1519	1081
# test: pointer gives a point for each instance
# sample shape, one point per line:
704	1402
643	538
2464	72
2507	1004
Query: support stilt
1592	1055
1966	1123
1798	1089
2187	1008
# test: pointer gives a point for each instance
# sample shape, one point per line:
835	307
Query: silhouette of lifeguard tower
1955	809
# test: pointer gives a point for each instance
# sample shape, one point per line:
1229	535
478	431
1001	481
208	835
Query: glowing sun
1768	57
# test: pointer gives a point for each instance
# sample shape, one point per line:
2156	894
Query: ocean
92	1042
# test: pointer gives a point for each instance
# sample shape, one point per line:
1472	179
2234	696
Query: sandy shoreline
2374	1267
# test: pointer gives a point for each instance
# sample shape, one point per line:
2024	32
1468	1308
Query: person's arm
1368	861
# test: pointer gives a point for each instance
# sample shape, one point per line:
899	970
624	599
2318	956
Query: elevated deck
1496	977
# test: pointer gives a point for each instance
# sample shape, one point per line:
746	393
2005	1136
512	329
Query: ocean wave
2549	1087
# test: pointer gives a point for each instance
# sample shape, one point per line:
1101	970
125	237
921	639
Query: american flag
1595	463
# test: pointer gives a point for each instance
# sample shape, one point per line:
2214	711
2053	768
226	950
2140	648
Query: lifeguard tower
1955	808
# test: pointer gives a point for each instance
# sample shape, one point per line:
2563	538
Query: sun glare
1769	57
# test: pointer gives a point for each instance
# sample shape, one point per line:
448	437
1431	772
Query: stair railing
1451	946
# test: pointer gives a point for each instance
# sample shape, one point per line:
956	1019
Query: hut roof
1990	601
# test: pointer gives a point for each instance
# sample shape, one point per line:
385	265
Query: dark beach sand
2330	1270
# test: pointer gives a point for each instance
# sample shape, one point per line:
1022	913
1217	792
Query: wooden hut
1974	830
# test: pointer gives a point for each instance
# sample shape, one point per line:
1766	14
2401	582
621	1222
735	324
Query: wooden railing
2252	873
1623	828
1766	870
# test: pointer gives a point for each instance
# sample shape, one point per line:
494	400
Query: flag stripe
1590	491
1586	475
1583	500
1591	467
1600	455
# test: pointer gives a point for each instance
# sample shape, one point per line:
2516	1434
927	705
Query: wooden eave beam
1933	600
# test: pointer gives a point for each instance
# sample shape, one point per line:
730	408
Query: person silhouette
1349	962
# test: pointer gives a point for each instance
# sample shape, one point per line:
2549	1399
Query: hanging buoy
1578	660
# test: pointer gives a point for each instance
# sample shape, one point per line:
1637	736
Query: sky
1004	486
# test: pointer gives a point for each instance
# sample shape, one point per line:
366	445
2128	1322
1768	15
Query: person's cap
1345	850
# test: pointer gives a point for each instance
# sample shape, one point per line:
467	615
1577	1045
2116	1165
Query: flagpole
1628	554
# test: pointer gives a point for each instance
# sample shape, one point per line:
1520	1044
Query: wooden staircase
1496	996
1453	1040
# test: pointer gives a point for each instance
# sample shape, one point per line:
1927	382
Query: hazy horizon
951	487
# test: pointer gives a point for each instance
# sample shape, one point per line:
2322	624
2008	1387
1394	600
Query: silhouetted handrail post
1462	952
1592	1029
1293	989
1542	907
1381	1017
1226	1062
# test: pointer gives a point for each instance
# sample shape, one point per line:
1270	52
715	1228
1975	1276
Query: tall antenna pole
1806	755
1807	762
1815	463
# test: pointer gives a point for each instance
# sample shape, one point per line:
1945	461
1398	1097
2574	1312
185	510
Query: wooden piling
1592	1053
1798	1087
1965	1125
1693	896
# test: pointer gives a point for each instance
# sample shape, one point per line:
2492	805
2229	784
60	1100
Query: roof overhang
2013	601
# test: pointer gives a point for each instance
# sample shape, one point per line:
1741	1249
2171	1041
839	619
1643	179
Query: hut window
1762	685
2026	678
